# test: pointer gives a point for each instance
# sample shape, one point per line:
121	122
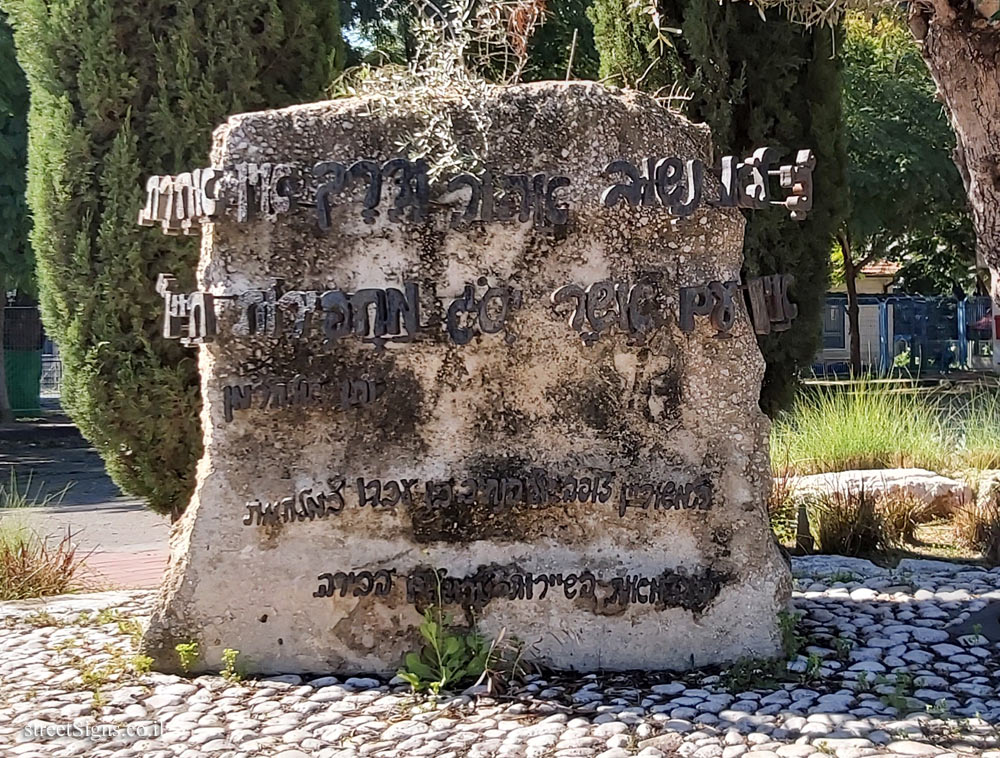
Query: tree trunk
6	414
962	52
853	311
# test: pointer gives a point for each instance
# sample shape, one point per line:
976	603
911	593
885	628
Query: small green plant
845	577
823	747
813	664
41	619
862	684
229	670
187	653
753	673
94	677
791	640
448	657
977	629
940	709
141	664
130	628
843	646
902	690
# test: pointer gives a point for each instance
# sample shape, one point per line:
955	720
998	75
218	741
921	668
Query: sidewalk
126	542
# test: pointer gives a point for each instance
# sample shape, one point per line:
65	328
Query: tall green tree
16	262
907	199
119	91
754	83
960	43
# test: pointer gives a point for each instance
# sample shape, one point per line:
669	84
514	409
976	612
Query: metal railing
914	334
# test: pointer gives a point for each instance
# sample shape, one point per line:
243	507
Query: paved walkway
892	663
125	542
126	570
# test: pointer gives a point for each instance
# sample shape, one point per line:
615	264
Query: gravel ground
890	663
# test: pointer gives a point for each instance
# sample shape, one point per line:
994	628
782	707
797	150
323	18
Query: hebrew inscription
537	489
427	586
182	203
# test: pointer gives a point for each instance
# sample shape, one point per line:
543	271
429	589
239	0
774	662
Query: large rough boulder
940	494
595	490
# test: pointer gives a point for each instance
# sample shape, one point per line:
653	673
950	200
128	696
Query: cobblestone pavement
881	671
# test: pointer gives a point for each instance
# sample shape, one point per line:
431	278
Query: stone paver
878	674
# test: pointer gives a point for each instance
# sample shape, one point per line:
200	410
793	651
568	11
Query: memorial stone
523	389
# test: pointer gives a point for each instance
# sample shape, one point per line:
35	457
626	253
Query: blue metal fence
915	334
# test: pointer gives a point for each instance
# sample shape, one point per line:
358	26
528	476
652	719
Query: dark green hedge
119	91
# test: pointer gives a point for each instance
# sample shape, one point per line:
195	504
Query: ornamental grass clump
851	523
865	426
34	566
977	527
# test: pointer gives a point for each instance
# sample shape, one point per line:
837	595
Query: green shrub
861	426
120	91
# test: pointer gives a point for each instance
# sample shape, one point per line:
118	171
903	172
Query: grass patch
33	566
15	495
979	422
865	426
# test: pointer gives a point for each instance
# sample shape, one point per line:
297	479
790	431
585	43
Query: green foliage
120	91
791	640
448	658
230	670
900	691
754	83
843	646
865	426
16	262
141	664
552	40
187	654
907	198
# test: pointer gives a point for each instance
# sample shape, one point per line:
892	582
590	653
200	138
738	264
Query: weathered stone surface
940	494
667	407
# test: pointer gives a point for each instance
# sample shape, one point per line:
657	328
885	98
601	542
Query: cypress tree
120	91
755	83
